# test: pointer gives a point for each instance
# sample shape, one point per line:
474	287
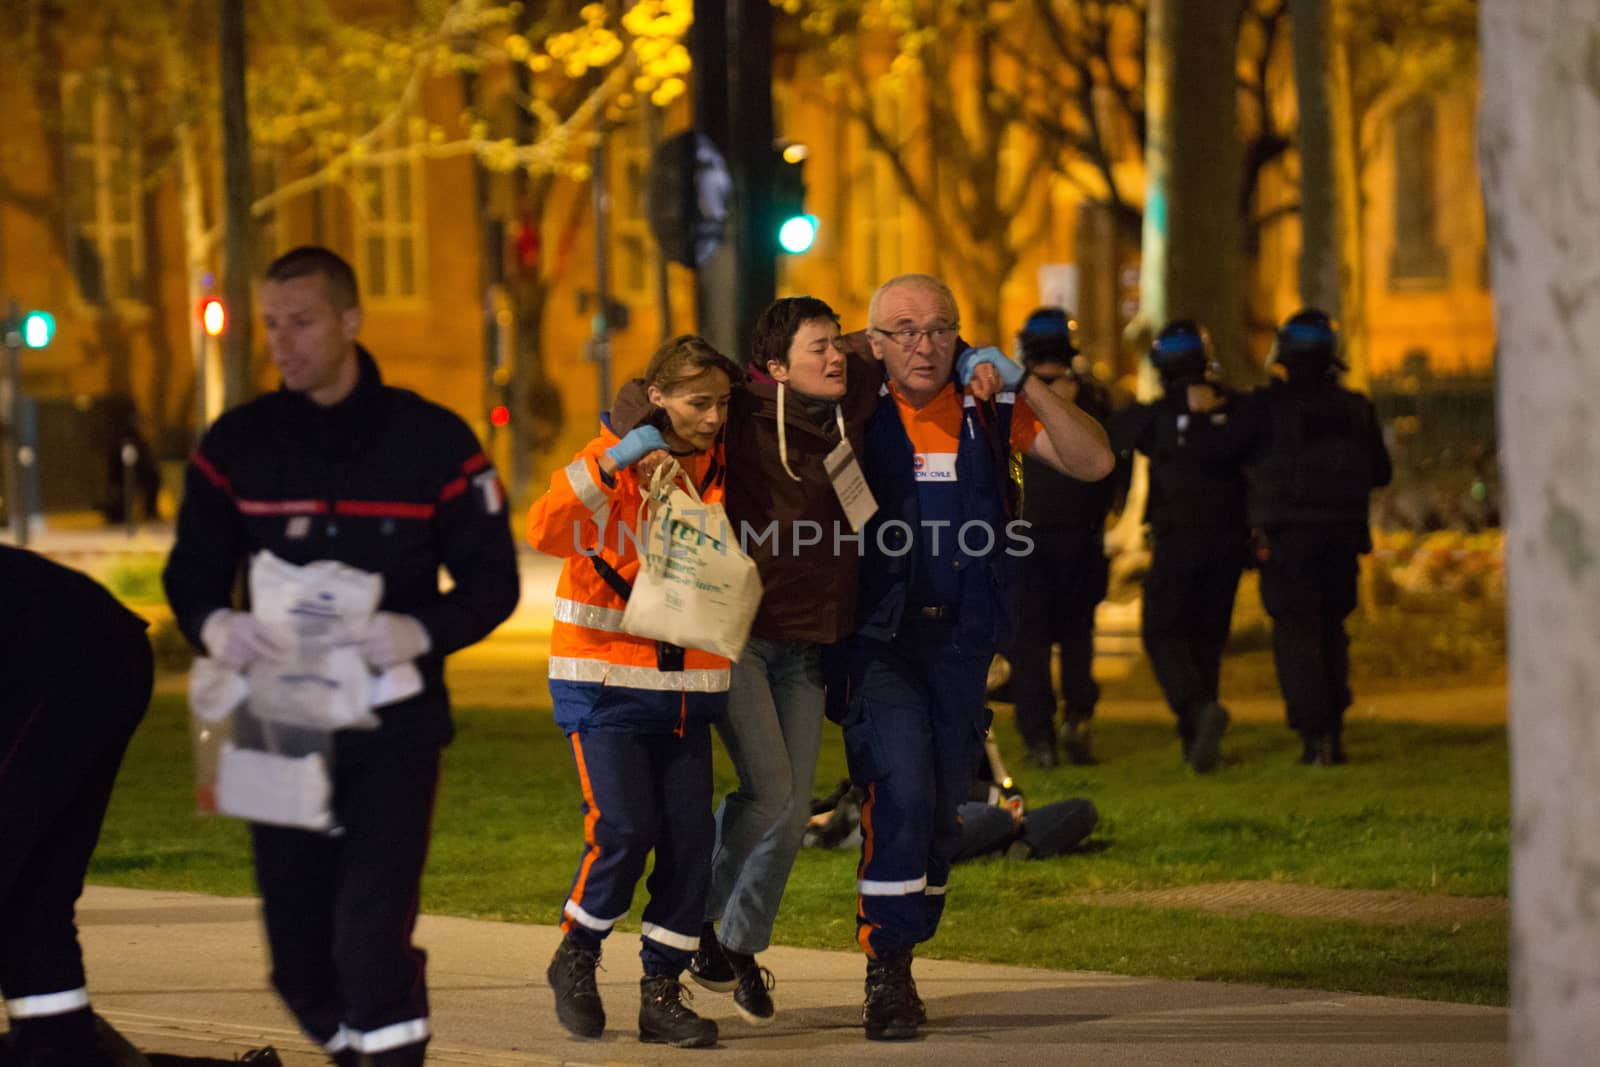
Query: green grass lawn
1422	809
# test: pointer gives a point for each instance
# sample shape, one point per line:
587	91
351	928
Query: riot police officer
1315	455
1064	579
1195	514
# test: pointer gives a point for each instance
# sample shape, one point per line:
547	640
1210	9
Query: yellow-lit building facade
89	231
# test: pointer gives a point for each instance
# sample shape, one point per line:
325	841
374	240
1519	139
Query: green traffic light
798	233
38	327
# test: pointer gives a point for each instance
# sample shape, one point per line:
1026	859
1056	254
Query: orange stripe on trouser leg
592	850
683	711
864	932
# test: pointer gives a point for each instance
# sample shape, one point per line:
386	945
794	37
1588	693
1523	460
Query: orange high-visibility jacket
600	677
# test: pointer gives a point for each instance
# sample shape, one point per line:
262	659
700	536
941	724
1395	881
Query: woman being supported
637	713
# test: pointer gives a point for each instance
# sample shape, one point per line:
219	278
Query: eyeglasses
909	339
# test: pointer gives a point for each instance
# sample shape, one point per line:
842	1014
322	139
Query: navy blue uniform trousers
644	793
340	908
1187	612
1308	586
64	726
912	735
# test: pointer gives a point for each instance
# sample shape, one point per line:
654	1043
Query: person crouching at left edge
637	713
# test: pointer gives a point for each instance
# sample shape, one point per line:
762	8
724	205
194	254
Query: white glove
391	638
238	639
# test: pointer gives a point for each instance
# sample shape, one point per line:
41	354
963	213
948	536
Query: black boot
665	1019
571	975
70	1039
412	1055
1326	751
1075	742
890	1011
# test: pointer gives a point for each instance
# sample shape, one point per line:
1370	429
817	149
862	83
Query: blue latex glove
1010	372
635	445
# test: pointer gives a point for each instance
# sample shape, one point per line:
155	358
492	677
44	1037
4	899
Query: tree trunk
1538	133
237	379
1319	209
1350	213
1192	233
207	396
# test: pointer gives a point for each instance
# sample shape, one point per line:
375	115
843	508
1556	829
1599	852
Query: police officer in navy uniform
1315	454
1195	512
336	465
1064	579
77	673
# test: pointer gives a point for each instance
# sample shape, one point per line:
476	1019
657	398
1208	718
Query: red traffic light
213	315
499	415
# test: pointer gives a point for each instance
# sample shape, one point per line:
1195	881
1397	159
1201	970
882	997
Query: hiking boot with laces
571	975
665	1019
751	995
710	967
890	1011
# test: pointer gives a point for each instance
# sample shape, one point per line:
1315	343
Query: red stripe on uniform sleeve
452	490
214	476
476	463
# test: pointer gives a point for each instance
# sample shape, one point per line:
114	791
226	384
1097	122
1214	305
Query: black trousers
1187	611
1308	586
1060	584
340	908
64	727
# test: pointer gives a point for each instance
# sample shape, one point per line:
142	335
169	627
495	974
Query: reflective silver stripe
583	918
935	890
340	1040
589	616
687	942
589	493
703	680
37	1007
868	888
393	1036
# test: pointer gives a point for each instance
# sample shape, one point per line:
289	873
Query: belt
932	612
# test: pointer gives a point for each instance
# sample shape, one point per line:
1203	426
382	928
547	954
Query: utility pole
731	47
239	257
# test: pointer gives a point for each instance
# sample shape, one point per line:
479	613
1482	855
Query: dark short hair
307	260
778	324
687	356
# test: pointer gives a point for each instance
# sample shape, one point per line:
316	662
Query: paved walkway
185	973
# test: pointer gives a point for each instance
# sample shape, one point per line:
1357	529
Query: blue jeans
772	732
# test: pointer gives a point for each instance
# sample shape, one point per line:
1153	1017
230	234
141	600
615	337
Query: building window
1417	259
388	212
105	216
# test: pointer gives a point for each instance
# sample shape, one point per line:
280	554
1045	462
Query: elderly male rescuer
936	605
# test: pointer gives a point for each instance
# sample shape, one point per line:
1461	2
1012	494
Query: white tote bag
695	588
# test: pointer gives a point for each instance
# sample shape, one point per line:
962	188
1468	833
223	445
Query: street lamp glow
38	327
798	233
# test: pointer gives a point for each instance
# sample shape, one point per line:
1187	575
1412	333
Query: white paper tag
850	485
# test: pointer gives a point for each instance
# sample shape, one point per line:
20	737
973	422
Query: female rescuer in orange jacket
636	712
